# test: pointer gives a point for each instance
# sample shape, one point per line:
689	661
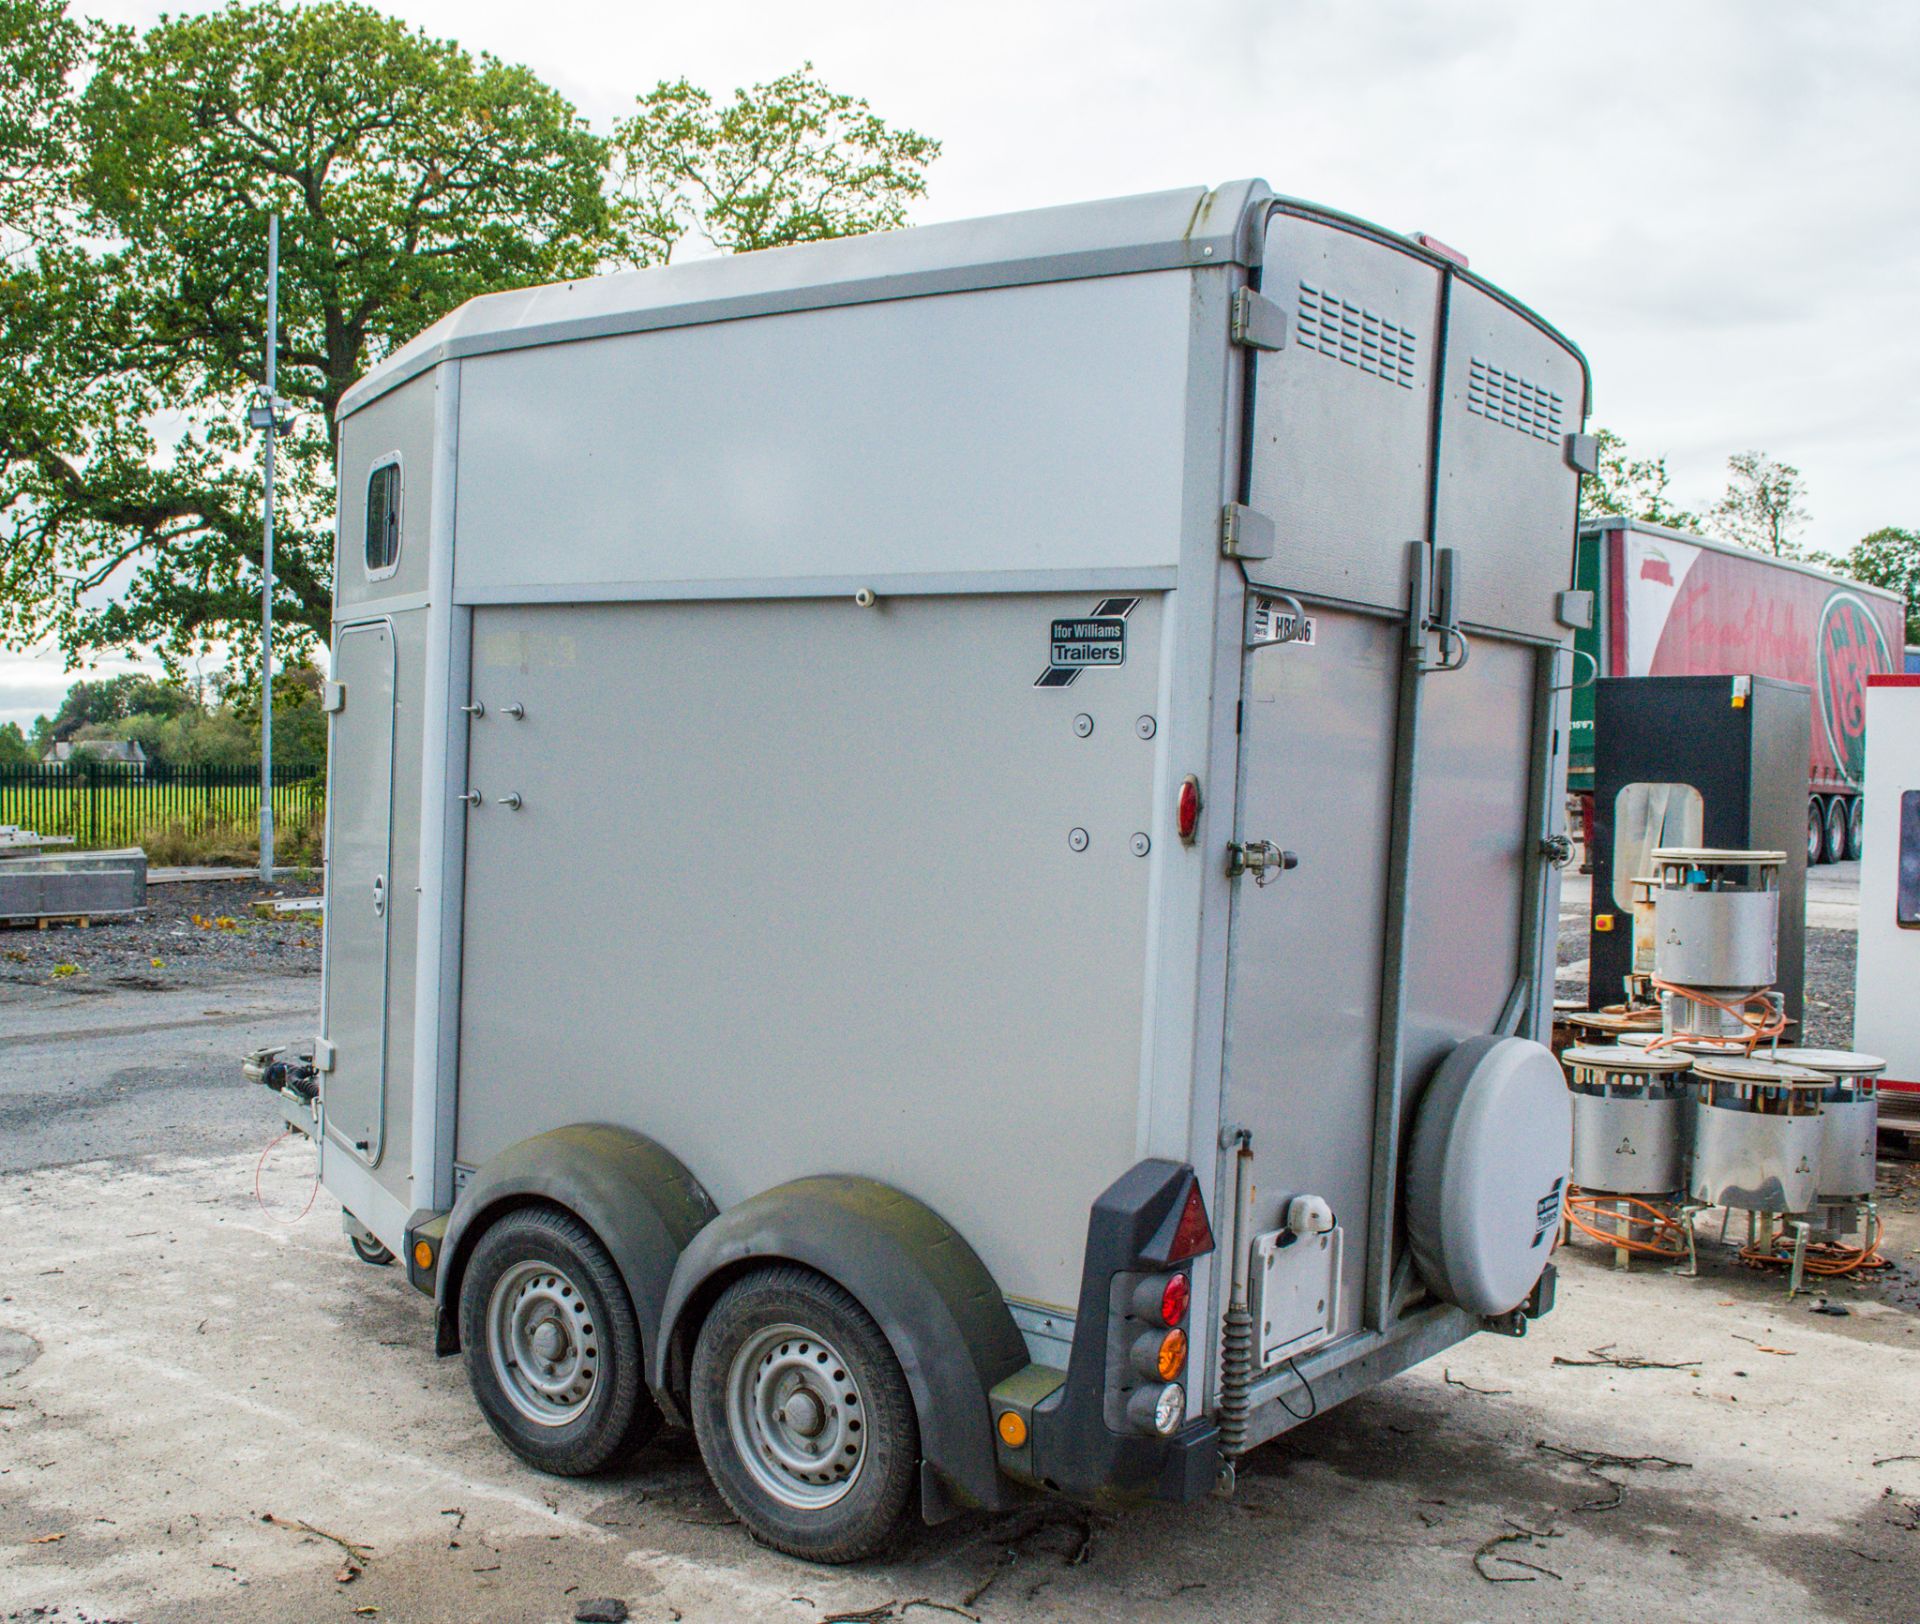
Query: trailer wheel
1816	831
803	1416
369	1250
1856	828
1835	838
551	1344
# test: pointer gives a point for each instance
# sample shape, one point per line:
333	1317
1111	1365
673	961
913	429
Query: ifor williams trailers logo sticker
1097	639
1847	647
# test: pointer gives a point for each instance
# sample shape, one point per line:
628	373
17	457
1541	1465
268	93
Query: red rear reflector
1434	245
1174	1300
1193	1234
1187	808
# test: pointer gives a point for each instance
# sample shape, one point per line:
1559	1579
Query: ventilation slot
1328	323
1501	397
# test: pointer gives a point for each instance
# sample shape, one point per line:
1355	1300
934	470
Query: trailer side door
353	1003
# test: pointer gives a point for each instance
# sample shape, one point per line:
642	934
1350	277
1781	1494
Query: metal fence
101	804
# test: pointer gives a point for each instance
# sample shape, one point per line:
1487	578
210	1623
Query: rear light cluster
1158	1356
1150	1309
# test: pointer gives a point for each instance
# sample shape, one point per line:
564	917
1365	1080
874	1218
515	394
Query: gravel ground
192	934
1829	988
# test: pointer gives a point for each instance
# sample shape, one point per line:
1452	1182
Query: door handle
472	797
1260	858
379	894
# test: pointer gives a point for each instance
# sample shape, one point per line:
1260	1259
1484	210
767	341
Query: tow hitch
294	1079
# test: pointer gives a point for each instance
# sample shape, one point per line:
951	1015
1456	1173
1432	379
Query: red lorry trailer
1670	604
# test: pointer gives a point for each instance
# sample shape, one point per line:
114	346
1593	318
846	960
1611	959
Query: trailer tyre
1856	829
1816	832
804	1418
369	1250
1835	841
552	1347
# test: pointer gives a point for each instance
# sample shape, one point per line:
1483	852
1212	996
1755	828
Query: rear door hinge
1258	322
333	696
1245	532
323	1055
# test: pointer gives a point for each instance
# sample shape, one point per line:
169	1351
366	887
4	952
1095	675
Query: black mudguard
634	1194
925	1287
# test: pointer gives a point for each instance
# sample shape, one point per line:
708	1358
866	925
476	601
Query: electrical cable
260	1166
1826	1258
1771	1021
1666	1237
1313	1402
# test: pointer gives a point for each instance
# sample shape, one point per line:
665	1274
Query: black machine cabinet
1742	745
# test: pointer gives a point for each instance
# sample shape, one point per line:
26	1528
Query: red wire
260	1166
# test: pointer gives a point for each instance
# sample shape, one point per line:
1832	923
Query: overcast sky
1719	200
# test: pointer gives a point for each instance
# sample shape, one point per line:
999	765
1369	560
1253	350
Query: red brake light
1193	1234
1187	808
1174	1300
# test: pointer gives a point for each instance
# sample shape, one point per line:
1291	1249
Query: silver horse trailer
942	847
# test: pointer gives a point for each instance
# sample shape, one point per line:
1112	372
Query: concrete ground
209	1410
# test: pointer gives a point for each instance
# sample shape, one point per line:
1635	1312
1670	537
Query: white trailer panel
1888	970
561	500
793	889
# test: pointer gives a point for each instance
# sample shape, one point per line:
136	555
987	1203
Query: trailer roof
1151	232
1616	521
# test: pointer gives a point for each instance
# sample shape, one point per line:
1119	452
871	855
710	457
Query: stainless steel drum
1717	933
1849	1117
1756	1134
1717	938
1627	1119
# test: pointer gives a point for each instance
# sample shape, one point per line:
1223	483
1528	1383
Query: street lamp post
269	413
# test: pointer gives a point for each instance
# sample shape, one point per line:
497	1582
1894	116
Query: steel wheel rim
797	1416
543	1343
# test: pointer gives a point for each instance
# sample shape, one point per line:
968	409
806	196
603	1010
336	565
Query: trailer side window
1645	818
383	518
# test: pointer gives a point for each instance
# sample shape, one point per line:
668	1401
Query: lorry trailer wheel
1816	832
803	1416
1835	840
551	1345
369	1250
1856	828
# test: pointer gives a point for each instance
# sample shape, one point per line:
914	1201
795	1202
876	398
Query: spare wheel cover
1488	1168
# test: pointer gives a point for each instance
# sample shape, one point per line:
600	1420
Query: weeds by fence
179	813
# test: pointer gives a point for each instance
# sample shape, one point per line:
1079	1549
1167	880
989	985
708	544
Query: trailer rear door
1412	801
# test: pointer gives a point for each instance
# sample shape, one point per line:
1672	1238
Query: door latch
379	895
1260	858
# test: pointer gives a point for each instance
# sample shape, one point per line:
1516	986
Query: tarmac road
90	1071
177	1364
